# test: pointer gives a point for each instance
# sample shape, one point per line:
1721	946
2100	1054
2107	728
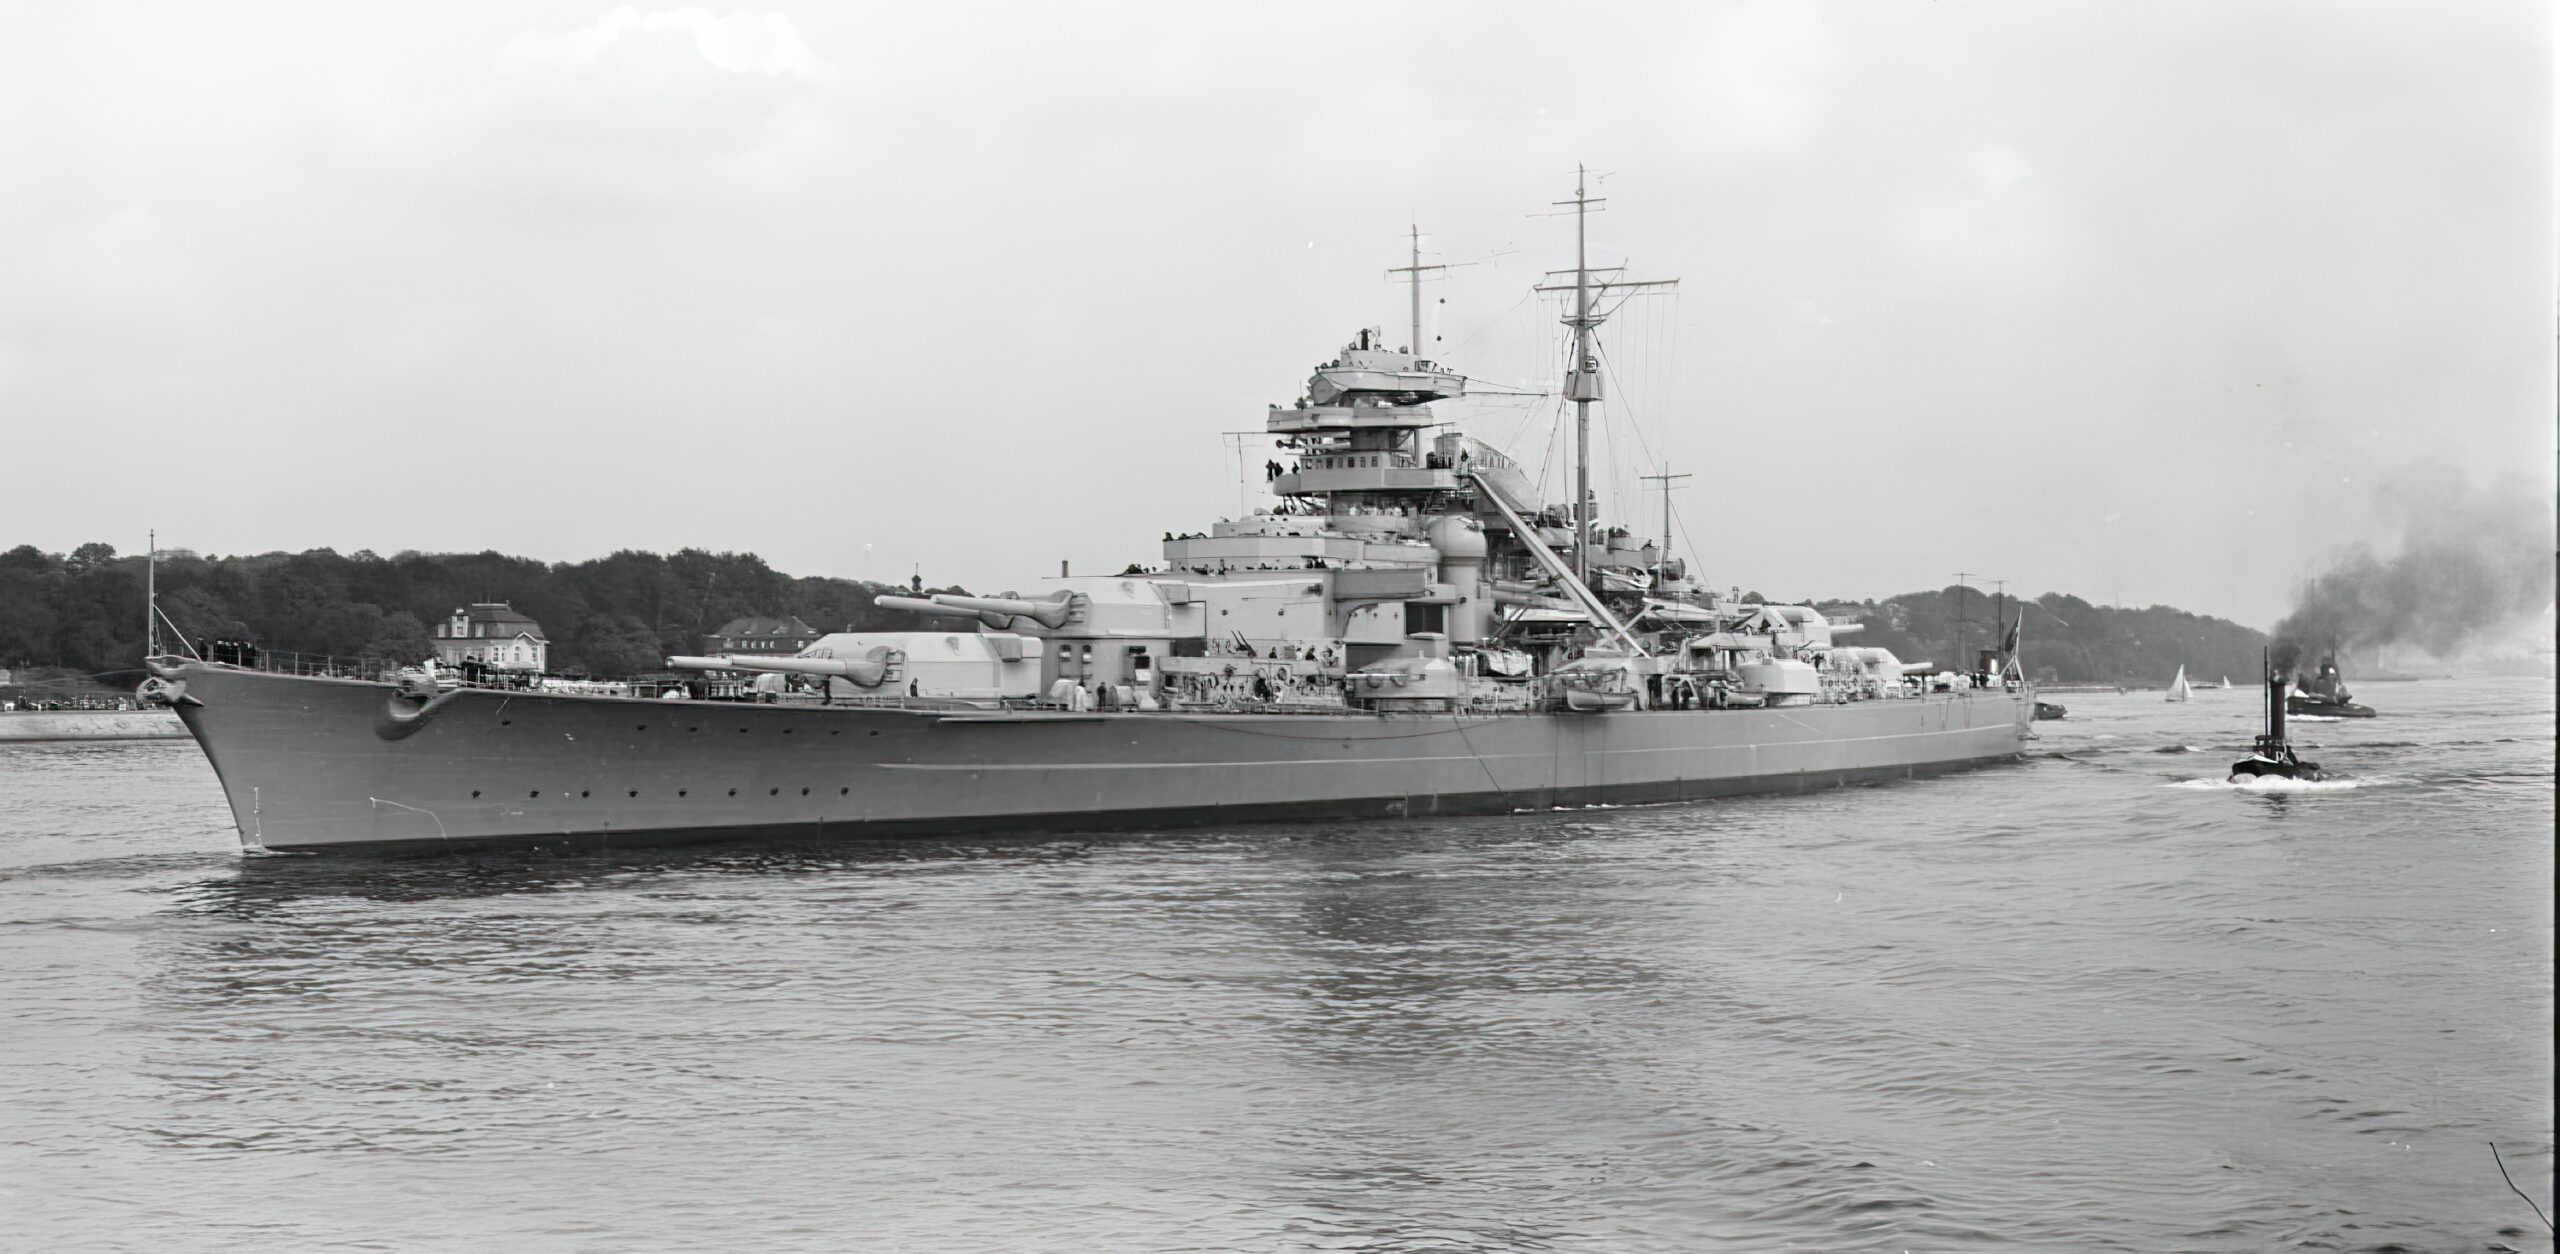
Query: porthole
786	731
535	793
742	731
839	792
642	727
635	792
475	792
582	792
733	792
773	792
506	722
875	732
680	792
804	792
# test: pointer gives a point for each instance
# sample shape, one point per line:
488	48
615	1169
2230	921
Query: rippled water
2085	1002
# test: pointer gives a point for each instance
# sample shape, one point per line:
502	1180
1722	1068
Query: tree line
624	613
2062	639
615	615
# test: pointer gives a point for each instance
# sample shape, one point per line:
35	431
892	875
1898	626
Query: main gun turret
1053	612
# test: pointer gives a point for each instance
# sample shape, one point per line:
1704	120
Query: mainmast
1666	479
1583	382
1582	378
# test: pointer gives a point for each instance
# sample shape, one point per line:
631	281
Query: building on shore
782	636
493	634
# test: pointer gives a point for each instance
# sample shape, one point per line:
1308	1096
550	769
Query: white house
492	634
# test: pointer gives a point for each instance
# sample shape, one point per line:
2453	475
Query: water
2100	1000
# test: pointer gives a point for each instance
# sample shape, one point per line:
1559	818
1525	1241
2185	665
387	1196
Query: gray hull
324	763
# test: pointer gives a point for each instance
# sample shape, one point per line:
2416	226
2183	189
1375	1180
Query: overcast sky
2135	301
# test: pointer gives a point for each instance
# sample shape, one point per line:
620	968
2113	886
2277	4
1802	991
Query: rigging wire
1696	554
1461	346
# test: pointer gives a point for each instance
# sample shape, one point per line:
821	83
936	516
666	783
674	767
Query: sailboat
2179	688
2226	681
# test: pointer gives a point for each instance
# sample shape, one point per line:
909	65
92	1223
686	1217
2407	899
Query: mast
2000	621
1665	479
1960	620
1413	273
1582	377
1413	289
1589	388
151	597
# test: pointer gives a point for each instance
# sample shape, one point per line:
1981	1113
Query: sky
2137	302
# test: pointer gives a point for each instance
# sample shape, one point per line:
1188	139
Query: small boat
1595	686
2179	688
2272	754
1590	700
2047	711
2325	695
2226	682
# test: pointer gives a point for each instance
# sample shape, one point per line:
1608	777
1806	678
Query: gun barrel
1051	614
917	605
865	672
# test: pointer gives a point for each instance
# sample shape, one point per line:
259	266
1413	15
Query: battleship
1406	629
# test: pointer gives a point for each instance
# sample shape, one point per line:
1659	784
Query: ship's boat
2046	711
1404	629
1592	697
2178	687
2323	694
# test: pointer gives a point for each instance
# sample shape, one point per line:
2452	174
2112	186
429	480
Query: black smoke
2471	563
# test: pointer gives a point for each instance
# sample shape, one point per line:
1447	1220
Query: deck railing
287	662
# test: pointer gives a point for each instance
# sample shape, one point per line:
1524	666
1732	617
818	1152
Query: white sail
2226	681
2178	687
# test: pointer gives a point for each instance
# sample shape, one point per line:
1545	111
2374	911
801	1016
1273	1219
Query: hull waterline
313	763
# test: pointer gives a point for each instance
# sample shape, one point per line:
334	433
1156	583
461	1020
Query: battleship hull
315	763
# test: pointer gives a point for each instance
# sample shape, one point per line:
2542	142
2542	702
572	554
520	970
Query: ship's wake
2269	784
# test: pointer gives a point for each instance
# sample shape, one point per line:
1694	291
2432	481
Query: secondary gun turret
1053	611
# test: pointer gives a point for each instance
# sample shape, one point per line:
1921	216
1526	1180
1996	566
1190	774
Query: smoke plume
2471	563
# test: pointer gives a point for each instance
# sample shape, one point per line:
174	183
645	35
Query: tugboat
1407	629
2325	694
2272	755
